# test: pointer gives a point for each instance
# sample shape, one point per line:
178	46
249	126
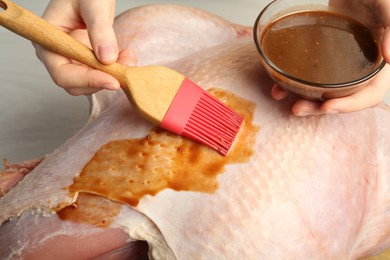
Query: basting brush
161	95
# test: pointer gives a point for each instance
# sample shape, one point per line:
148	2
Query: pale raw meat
313	188
13	173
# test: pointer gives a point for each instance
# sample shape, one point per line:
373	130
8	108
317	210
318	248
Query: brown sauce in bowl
321	47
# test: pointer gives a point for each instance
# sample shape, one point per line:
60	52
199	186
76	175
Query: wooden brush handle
30	26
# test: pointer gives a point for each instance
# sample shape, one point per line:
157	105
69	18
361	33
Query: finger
64	15
386	45
370	96
382	8
98	16
75	78
83	80
304	107
81	91
301	107
127	57
278	93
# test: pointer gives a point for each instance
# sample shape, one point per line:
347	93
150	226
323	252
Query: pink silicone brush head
196	114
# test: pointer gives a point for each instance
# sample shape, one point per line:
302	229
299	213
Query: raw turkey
292	188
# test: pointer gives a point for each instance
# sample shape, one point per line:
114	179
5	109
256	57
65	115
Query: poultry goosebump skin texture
292	188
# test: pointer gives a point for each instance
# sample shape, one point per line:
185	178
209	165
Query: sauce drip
321	47
127	170
91	209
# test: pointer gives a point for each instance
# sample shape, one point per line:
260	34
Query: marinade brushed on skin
313	187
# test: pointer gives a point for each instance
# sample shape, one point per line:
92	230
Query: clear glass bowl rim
305	82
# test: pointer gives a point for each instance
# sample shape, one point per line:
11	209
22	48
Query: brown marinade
321	47
127	170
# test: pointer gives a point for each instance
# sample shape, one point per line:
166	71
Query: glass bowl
297	51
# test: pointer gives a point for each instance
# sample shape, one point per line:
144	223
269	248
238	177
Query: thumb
386	45
382	8
98	15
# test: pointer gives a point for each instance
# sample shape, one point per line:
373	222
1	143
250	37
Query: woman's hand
89	21
370	96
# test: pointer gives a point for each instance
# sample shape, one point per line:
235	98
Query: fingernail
107	52
109	86
303	113
331	112
279	96
131	63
